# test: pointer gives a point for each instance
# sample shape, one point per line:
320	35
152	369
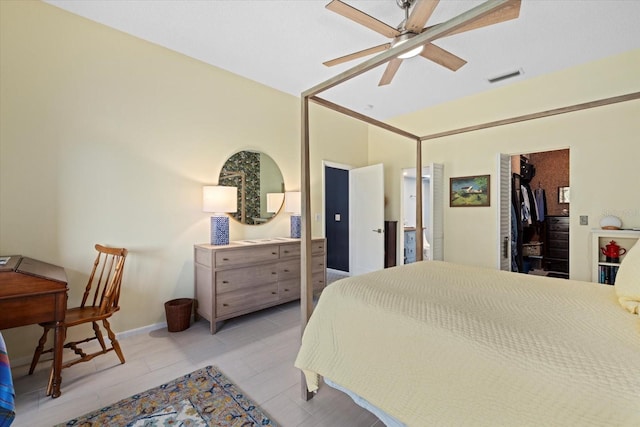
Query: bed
436	343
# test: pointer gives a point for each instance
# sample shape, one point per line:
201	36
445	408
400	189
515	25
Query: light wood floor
255	351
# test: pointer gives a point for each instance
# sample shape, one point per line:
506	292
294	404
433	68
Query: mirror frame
255	174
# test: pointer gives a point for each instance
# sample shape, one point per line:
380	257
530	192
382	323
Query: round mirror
260	186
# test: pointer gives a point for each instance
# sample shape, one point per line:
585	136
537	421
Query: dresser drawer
559	253
559	227
558	223
557	265
317	263
246	299
289	269
289	289
248	255
290	250
318	280
558	235
317	247
558	244
231	280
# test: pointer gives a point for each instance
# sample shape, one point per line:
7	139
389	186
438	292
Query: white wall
106	138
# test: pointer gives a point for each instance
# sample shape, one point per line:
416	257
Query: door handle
505	248
379	230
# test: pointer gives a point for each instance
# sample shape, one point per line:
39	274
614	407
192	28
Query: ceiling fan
417	13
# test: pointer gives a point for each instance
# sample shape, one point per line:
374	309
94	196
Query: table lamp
292	206
274	202
219	200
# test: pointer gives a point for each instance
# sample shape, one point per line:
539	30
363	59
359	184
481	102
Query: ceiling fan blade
442	57
509	11
357	55
420	14
390	71
362	18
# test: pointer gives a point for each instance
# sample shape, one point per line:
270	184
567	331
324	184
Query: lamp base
296	226
219	230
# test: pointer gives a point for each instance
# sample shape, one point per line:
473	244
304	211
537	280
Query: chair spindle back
104	282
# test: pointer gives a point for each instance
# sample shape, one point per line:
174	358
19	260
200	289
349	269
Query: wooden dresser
557	245
249	275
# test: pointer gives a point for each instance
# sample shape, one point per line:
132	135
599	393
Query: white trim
26	360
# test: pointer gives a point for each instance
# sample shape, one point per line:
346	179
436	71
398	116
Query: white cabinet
409	245
603	270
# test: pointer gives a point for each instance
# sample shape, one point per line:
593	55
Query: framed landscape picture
468	191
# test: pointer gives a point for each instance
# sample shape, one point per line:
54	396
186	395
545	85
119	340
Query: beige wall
603	160
106	138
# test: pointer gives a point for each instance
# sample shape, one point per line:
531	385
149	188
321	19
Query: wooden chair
99	302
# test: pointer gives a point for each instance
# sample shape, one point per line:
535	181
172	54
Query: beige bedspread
440	344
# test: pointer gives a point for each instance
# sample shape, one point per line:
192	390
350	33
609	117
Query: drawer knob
225	282
286	271
286	252
274	253
225	259
274	272
273	293
286	290
225	304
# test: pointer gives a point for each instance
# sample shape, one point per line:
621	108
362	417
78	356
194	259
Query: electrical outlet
584	220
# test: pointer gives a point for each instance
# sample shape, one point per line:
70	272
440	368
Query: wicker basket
178	313
532	249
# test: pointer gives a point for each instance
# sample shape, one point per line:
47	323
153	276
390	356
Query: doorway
534	213
432	235
353	205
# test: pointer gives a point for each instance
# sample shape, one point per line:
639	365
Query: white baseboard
142	330
26	360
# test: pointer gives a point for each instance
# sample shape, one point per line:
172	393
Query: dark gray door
337	218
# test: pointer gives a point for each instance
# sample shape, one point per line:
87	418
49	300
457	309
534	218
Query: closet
539	217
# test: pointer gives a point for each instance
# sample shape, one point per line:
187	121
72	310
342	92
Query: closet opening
539	220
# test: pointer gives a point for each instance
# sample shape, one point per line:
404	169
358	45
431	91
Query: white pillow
628	280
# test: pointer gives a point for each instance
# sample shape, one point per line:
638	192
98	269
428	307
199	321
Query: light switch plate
584	220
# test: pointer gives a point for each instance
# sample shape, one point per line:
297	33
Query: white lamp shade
219	199
274	201
611	222
292	202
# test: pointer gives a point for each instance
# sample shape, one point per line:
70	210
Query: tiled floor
255	351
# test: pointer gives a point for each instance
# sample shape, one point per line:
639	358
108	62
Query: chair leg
98	334
50	383
38	351
114	342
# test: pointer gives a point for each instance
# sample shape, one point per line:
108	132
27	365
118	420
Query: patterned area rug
202	398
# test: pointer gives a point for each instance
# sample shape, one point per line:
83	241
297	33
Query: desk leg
55	379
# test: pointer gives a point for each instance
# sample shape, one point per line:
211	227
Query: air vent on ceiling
505	76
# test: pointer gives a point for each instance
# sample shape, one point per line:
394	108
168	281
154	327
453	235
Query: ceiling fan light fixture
403	38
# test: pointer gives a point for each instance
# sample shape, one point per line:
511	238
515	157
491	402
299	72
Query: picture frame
470	191
563	194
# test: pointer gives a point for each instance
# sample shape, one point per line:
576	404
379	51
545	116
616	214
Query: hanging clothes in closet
541	203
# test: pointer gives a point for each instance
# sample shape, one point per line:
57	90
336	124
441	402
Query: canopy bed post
419	225
306	290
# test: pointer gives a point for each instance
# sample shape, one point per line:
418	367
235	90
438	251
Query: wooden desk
32	292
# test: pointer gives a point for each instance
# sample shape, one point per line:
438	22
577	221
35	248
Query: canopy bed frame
311	95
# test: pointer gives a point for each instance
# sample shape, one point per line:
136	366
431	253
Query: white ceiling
282	43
